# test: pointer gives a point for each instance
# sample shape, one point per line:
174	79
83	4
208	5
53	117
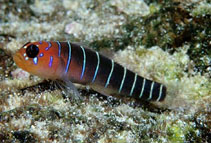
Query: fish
73	63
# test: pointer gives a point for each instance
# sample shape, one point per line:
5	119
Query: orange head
41	59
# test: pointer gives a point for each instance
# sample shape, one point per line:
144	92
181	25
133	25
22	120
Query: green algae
184	131
177	132
202	9
170	25
173	26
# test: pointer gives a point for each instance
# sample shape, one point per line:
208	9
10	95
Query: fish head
37	59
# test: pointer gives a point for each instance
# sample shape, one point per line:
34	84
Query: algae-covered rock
165	41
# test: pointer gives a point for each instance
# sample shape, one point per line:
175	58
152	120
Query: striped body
68	61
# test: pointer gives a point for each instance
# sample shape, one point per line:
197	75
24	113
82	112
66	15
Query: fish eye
32	51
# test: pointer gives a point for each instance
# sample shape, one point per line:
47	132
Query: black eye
32	51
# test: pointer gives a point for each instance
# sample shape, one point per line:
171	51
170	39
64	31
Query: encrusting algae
151	42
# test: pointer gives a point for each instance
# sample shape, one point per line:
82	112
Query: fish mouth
18	59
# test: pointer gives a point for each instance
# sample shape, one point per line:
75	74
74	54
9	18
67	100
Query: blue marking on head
35	60
59	48
41	54
49	45
40	42
51	61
